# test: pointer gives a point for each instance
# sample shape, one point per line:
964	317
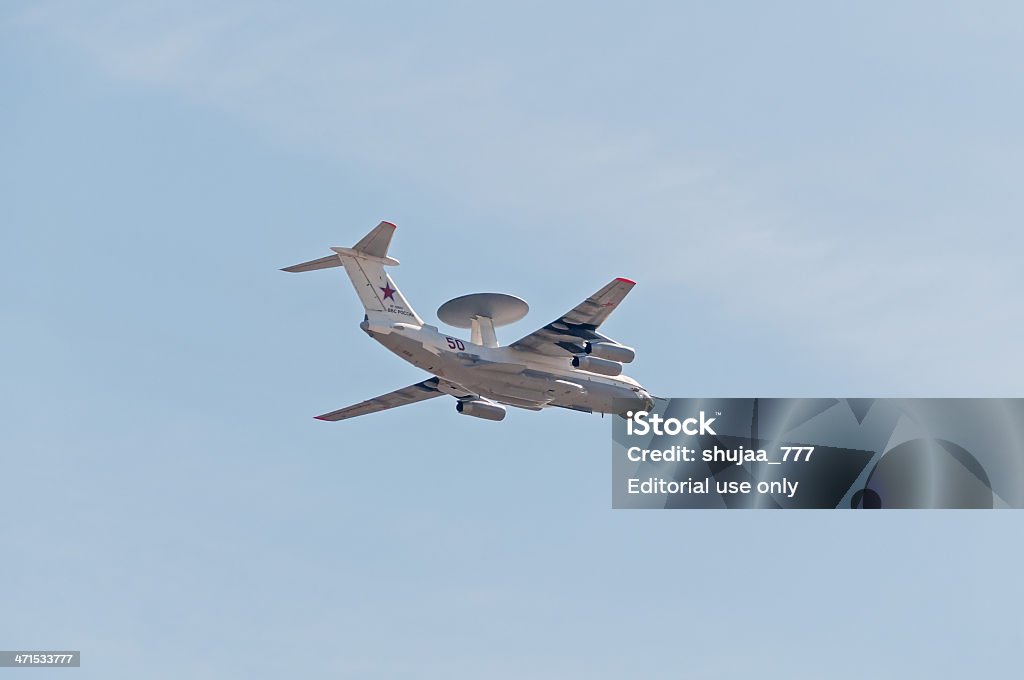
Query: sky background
816	199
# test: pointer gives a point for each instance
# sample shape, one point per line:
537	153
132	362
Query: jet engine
479	408
595	365
611	351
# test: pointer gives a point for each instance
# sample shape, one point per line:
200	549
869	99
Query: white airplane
567	363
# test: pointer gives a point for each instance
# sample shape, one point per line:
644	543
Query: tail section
377	291
365	262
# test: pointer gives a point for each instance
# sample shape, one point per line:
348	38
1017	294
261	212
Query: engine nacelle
611	351
595	365
478	408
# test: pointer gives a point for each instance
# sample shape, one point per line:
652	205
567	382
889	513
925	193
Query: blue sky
815	200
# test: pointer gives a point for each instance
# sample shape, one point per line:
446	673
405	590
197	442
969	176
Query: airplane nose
637	399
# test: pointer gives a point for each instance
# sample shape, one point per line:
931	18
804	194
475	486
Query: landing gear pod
478	408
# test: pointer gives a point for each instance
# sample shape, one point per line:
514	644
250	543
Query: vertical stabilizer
377	291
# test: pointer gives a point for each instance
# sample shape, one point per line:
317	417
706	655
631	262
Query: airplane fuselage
506	375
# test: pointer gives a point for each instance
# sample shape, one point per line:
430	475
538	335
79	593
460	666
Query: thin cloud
758	230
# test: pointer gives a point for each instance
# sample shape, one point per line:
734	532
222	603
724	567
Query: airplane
566	364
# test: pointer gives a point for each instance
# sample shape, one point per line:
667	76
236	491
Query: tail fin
365	262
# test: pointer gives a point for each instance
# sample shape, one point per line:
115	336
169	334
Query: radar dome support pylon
482	313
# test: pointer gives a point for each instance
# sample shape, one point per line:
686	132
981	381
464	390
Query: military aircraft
566	364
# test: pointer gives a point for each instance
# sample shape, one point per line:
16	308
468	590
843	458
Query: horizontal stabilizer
377	241
313	265
373	246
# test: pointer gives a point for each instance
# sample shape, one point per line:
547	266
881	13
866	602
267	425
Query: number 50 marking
455	343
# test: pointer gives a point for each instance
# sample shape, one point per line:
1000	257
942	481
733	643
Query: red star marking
389	292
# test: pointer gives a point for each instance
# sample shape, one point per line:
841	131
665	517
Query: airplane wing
407	395
567	334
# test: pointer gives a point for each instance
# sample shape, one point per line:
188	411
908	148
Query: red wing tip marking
625	280
320	418
390	224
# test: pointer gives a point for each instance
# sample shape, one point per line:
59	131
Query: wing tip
625	280
389	224
323	418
